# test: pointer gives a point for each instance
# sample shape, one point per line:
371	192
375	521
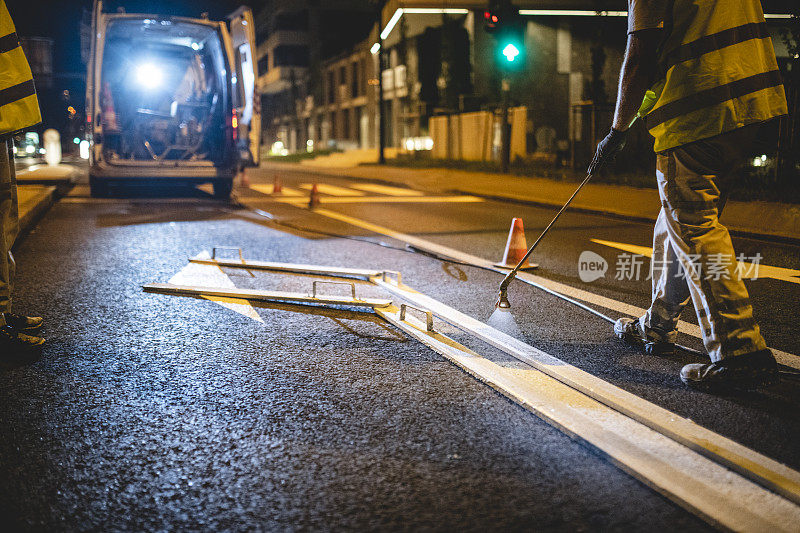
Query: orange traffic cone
277	186
245	182
516	247
313	198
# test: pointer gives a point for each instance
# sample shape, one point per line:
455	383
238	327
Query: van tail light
235	125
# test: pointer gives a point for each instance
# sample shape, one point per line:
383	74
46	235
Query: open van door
243	40
94	46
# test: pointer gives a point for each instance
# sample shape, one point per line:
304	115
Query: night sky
60	19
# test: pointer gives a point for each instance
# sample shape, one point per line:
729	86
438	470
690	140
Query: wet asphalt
156	412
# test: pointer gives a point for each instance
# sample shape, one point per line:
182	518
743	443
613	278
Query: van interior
162	92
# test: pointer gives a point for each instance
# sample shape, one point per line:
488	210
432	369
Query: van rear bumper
165	170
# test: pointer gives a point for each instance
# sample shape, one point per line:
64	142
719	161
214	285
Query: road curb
32	209
758	219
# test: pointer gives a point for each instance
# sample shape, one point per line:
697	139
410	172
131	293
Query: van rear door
243	37
95	46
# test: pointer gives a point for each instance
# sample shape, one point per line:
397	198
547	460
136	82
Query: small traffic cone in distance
245	182
516	247
313	198
277	186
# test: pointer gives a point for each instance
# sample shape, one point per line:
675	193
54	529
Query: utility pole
502	20
505	133
381	117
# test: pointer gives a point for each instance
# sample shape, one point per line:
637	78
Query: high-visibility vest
720	72
19	108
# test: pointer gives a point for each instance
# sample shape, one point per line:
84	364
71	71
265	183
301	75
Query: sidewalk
34	201
758	218
37	190
48	175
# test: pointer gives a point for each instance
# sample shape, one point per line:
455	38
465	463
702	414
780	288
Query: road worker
19	109
709	71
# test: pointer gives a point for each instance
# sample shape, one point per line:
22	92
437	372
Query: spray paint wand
502	299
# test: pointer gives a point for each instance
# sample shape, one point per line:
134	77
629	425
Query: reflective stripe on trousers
693	181
9	222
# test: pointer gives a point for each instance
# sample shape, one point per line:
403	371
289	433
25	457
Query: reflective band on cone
516	247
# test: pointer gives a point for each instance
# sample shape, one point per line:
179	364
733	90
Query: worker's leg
687	181
669	288
9	225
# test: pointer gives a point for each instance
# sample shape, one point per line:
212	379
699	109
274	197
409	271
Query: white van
171	98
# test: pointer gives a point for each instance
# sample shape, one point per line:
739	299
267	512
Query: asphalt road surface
158	412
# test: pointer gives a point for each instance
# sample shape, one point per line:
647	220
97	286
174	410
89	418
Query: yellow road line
385	189
267	189
386	200
333	190
749	270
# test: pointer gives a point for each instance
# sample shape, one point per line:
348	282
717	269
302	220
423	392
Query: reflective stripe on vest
721	73
19	107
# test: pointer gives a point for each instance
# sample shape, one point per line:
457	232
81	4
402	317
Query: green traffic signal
511	52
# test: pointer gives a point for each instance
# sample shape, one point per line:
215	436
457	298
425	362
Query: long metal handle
510	276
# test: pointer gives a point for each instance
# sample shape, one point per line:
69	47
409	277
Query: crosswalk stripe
385	199
267	189
385	189
332	190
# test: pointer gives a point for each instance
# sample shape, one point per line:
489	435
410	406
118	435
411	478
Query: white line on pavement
693	330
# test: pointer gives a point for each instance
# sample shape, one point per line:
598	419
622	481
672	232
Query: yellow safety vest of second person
720	72
19	107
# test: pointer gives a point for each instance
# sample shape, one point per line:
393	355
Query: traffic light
492	17
503	20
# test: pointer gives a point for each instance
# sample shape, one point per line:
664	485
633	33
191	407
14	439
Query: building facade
439	60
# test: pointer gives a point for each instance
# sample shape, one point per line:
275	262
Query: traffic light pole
381	117
505	134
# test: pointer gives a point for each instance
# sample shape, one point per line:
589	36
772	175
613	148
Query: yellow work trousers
693	256
9	222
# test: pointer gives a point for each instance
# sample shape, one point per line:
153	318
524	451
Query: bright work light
511	52
149	76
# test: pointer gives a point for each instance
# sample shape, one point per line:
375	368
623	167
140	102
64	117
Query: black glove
613	143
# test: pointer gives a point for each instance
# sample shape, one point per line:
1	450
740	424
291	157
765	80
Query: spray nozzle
502	300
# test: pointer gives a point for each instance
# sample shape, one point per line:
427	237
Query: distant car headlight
149	76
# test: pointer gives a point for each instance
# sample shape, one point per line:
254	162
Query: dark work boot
14	343
630	331
22	323
743	372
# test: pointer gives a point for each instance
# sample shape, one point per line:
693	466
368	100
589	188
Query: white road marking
385	189
693	330
332	190
385	200
674	468
213	276
267	189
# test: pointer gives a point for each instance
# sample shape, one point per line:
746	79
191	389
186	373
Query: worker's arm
635	77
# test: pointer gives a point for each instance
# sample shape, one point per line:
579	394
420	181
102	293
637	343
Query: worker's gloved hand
613	143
